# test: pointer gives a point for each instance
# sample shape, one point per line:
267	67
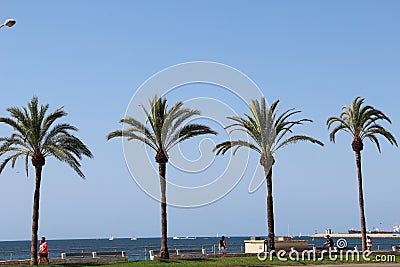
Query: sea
139	249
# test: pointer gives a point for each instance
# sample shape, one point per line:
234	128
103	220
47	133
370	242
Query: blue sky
91	56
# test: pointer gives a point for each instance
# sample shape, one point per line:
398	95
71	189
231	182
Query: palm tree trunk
361	202
164	254
35	216
270	210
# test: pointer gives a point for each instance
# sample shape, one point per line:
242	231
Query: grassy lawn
234	261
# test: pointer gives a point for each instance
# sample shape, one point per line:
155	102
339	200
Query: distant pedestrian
222	246
43	251
369	243
328	243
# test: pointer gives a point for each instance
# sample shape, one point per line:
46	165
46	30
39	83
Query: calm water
138	249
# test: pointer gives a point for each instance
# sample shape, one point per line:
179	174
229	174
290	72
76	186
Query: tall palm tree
361	122
36	137
268	132
166	130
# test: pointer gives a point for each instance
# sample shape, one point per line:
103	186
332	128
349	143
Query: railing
11	254
132	252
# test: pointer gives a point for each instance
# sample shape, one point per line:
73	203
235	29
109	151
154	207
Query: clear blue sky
91	56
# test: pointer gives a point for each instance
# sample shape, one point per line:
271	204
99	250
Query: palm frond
284	116
12	144
4	163
174	122
266	128
139	128
27	164
59	129
19	127
130	135
66	156
166	125
49	120
189	131
16	156
249	125
340	127
285	127
379	130
114	134
375	140
299	138
184	115
223	147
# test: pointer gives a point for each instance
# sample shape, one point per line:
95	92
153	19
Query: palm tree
361	123
166	130
268	132
35	137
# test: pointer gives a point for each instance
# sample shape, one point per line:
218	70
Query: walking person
369	243
43	251
328	243
222	246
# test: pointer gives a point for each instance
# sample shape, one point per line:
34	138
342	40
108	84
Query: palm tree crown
35	137
166	127
268	130
361	122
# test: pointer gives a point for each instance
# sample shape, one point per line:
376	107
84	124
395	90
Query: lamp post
8	23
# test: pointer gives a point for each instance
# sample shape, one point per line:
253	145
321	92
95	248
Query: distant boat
354	231
133	238
183	237
378	231
111	238
374	231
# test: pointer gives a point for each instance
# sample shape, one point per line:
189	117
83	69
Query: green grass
211	262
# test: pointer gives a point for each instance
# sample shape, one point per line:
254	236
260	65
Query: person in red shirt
43	251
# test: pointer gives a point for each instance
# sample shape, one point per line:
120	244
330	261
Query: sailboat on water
111	238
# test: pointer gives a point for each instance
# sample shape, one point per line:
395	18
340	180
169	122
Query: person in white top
369	243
